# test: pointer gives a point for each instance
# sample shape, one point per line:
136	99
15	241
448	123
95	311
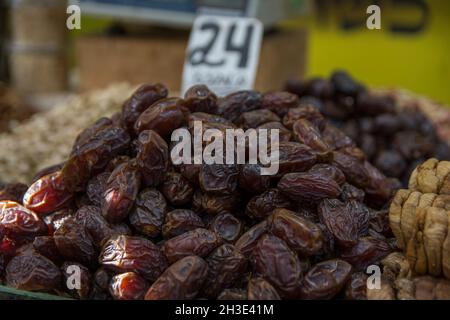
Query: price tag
223	53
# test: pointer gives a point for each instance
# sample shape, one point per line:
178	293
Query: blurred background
145	40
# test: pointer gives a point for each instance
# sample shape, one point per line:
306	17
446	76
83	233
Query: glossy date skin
177	189
200	99
18	223
163	117
181	281
300	234
278	264
33	272
152	158
325	280
133	254
92	156
128	286
260	289
225	266
148	215
48	194
180	221
227	227
144	97
121	191
199	242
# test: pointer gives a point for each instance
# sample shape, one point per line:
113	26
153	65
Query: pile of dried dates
420	219
132	225
394	140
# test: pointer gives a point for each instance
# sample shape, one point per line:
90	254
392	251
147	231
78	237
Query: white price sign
223	53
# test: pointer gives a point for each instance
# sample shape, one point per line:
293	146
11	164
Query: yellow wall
419	62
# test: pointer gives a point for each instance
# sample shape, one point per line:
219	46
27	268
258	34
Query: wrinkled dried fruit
260	289
227	227
325	280
225	266
177	189
152	158
133	254
148	215
181	281
128	286
278	264
199	242
180	221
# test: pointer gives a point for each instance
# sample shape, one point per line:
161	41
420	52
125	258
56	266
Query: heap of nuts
395	140
420	219
134	225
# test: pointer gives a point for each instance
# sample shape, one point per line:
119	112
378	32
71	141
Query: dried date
128	286
148	215
260	289
177	189
133	254
180	221
152	158
181	281
199	242
227	227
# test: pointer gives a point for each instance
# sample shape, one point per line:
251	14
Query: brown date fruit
253	119
260	289
32	272
345	84
74	242
115	162
325	280
307	112
69	269
261	206
121	192
93	156
329	170
340	221
163	117
199	242
125	253
219	179
284	134
391	163
13	192
55	220
190	172
147	216
20	224
251	180
350	192
278	264
128	286
235	104
152	158
90	132
45	172
354	170
177	189
309	186
232	294
46	246
300	235
145	96
296	157
227	227
215	204
367	251
199	98
181	281
180	221
225	265
335	138
248	241
96	187
90	217
305	132
279	102
356	288
48	194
